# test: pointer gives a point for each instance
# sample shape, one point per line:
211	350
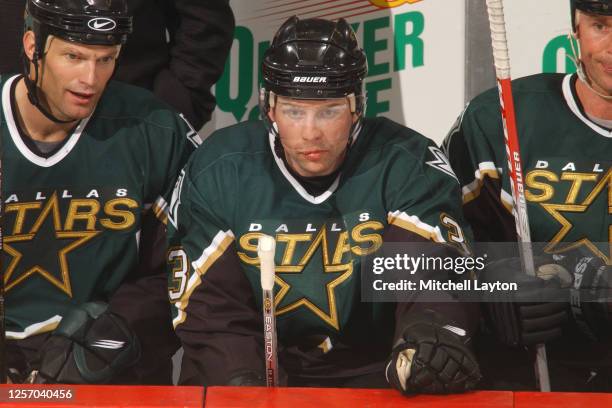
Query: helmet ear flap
272	99
357	103
267	101
352	103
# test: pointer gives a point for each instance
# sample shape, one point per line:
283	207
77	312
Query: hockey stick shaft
265	251
3	363
270	339
501	58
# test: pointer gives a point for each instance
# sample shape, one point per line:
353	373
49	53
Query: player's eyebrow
294	104
68	48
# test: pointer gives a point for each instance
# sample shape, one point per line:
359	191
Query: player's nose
88	74
311	129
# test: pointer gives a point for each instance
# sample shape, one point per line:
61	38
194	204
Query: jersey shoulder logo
192	135
441	162
453	131
175	201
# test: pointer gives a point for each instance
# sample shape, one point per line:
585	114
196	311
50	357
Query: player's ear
577	25
29	44
271	114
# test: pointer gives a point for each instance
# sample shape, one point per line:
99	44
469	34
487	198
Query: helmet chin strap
582	75
33	91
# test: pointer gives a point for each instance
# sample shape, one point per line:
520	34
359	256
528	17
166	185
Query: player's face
594	33
314	133
73	76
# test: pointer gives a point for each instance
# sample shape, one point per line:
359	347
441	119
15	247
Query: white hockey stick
265	251
501	58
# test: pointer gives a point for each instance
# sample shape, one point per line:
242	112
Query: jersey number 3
178	258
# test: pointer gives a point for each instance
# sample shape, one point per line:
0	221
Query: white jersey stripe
21	146
210	254
36	328
414	224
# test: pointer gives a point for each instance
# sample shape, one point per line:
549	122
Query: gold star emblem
12	277
556	244
344	270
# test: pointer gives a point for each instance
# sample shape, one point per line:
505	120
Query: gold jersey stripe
36	328
210	255
414	225
472	190
160	209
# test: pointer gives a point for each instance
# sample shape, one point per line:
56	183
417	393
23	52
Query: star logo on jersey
569	216
441	162
50	264
319	298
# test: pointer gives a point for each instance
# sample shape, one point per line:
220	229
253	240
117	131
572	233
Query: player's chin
604	85
309	169
319	169
79	112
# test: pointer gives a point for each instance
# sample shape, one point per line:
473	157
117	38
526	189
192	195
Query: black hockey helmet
92	22
98	22
603	7
314	59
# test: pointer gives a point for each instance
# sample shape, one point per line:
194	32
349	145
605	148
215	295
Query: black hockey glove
536	312
591	297
89	346
431	358
248	379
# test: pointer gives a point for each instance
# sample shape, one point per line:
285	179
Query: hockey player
332	187
565	129
85	162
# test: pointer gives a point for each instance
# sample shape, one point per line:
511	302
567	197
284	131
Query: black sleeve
200	41
142	300
477	167
222	334
460	313
425	210
143	303
214	307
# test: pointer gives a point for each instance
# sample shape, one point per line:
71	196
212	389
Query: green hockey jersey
566	167
567	175
394	185
72	221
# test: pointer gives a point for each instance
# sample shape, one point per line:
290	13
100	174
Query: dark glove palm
533	314
441	364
